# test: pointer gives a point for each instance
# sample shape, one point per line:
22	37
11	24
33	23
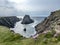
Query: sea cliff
52	22
9	21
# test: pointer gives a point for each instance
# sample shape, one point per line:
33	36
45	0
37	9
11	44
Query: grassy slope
9	38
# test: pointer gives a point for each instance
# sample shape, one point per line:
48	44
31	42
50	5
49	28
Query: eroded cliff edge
52	22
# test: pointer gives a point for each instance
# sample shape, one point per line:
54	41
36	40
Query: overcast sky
30	7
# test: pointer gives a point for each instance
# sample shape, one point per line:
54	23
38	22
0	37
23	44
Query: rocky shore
52	22
9	21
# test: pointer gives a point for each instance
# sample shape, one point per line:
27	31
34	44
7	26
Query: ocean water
30	28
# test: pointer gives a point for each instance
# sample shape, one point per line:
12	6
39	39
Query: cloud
31	7
4	11
37	7
44	4
7	9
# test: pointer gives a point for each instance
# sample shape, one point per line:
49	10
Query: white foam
19	16
30	30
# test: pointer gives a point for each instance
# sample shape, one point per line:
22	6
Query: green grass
9	38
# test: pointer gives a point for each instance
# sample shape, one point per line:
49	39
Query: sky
29	7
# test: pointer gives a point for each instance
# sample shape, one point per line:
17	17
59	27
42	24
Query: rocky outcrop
9	21
49	22
27	20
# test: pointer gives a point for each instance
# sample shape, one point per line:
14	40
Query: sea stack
27	20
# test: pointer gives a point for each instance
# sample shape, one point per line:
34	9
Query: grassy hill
9	38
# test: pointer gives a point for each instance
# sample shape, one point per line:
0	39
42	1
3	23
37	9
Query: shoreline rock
9	21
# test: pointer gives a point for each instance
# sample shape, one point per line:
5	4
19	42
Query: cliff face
9	21
49	23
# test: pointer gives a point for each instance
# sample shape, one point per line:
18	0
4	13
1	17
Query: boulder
9	21
27	20
24	29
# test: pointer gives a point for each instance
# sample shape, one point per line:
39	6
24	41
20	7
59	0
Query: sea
30	28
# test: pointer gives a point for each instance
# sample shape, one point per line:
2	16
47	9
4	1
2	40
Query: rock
9	21
49	22
24	29
27	20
